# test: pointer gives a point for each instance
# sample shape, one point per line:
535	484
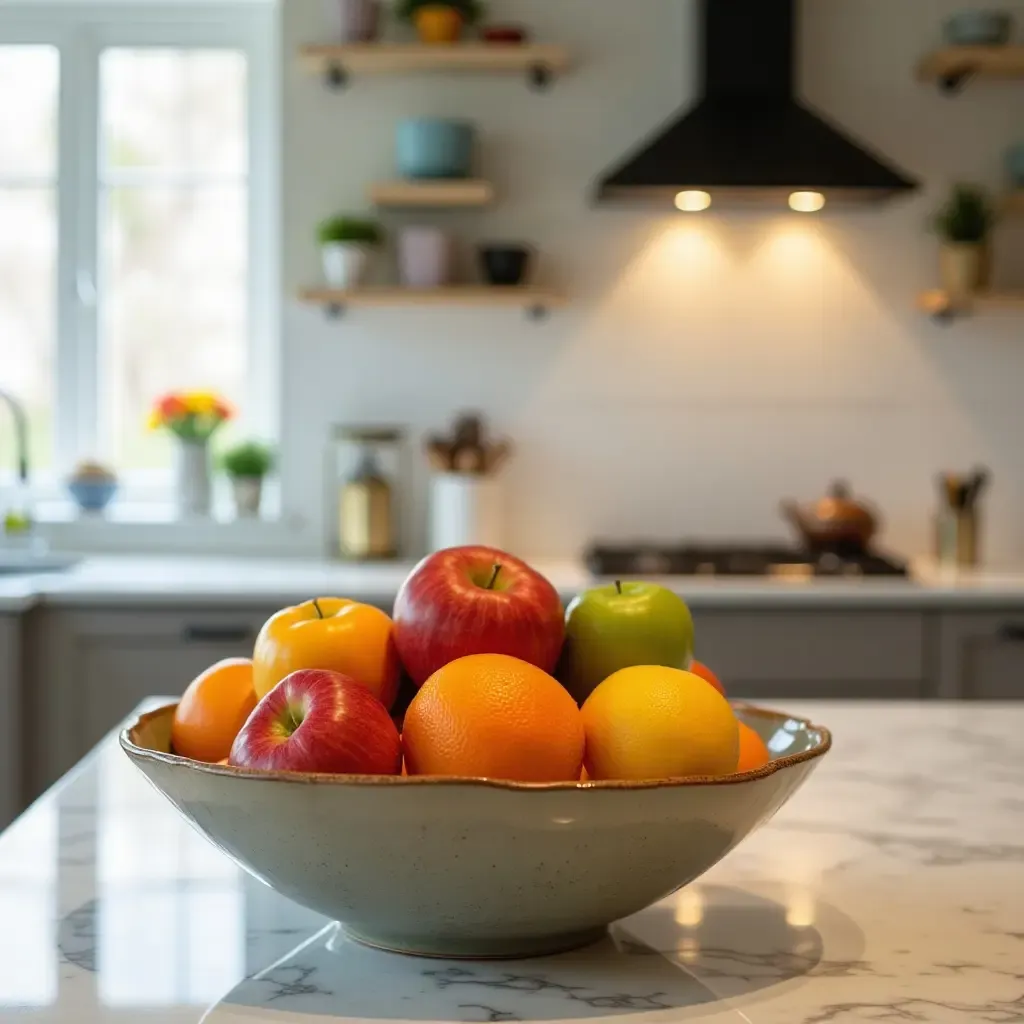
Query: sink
29	563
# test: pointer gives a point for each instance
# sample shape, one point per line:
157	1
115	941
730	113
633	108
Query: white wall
707	366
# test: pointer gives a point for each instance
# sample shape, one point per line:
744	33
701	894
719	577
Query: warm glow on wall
806	202
693	201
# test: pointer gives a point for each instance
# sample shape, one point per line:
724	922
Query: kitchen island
888	889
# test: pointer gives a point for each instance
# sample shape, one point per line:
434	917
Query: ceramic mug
424	257
352	21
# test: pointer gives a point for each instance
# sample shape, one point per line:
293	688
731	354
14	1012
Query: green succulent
349	229
471	10
967	216
250	459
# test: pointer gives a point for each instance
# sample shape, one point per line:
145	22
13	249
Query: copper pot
835	523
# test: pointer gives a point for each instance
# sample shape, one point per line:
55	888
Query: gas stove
737	560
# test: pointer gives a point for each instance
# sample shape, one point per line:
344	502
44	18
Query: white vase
345	264
194	487
465	510
248	492
424	257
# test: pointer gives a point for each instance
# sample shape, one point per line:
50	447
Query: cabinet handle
1012	632
217	634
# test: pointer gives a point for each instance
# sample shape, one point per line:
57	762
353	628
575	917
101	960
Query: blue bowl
1015	165
435	148
92	495
978	28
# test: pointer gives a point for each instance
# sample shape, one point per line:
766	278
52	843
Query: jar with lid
367	466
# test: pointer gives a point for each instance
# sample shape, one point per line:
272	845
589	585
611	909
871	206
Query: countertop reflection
889	889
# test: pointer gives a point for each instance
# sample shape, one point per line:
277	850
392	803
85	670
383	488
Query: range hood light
693	201
806	202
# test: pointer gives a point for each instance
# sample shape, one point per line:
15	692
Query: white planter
465	509
345	264
964	268
194	487
424	257
248	493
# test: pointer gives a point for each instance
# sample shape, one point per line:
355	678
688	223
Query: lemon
651	722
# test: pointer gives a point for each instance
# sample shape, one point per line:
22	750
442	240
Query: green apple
621	625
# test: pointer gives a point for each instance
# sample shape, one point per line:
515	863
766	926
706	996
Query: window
136	176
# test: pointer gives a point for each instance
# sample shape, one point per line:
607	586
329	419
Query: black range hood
749	138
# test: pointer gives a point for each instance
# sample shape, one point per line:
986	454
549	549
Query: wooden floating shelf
952	66
535	300
468	192
944	306
338	63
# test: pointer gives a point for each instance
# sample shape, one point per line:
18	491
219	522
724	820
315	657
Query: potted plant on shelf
246	465
964	224
193	417
346	245
440	22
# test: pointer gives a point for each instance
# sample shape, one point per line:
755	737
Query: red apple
476	600
698	668
319	721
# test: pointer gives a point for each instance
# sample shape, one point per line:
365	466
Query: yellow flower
201	403
154	421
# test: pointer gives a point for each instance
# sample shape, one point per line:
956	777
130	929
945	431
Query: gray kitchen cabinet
90	668
981	656
796	653
10	718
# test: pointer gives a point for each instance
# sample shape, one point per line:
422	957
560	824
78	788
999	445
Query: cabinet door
94	667
806	653
982	656
10	719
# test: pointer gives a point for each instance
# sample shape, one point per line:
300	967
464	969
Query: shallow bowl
475	867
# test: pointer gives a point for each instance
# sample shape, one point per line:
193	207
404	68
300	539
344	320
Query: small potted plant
964	224
440	22
246	465
346	245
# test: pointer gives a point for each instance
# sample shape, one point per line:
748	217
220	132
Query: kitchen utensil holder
465	509
957	538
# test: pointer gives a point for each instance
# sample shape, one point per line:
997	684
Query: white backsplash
706	366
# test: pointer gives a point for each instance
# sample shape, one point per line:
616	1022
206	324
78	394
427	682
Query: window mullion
77	349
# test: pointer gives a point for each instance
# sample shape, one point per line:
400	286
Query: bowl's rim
821	748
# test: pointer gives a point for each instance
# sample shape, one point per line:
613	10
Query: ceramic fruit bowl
473	867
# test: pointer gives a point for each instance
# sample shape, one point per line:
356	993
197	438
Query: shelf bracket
541	77
336	76
334	311
537	312
953	82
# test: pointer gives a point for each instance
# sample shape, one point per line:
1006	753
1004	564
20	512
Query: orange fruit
698	668
652	722
213	710
496	717
753	752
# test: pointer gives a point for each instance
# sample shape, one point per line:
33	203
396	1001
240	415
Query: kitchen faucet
20	433
17	520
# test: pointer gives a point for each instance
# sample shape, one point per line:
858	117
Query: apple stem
319	610
618	586
494	577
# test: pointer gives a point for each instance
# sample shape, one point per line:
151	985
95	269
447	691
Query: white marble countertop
134	581
889	889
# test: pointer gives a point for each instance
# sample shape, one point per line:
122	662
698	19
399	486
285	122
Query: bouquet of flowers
190	415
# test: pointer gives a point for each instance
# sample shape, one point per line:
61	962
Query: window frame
81	30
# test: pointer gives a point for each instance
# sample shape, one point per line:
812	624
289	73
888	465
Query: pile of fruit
504	684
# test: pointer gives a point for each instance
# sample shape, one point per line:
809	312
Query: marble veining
888	890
